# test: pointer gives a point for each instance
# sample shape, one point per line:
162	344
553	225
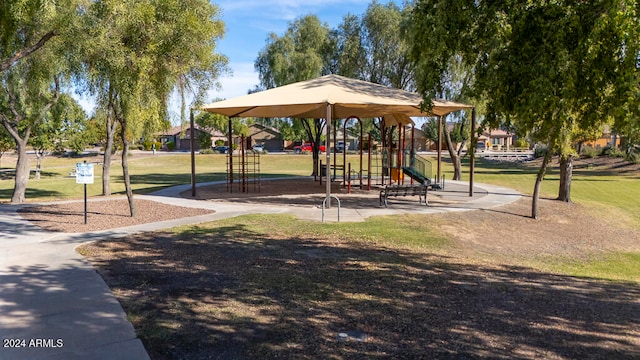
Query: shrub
171	146
541	150
589	152
613	152
633	156
521	143
206	151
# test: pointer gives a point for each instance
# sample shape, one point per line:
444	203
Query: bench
403	190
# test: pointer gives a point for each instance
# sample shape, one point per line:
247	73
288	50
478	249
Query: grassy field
608	194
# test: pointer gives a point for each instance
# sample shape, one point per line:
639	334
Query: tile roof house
182	137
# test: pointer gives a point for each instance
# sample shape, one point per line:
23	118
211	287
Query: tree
30	88
546	68
136	51
372	47
455	134
386	48
35	54
300	54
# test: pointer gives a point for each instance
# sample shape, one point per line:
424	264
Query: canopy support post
472	160
328	154
439	149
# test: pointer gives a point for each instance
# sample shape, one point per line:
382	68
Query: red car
306	147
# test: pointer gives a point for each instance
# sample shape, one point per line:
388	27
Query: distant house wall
604	141
266	135
182	139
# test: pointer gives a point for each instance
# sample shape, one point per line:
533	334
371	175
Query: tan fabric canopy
347	97
332	97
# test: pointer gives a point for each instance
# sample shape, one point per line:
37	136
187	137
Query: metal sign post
84	175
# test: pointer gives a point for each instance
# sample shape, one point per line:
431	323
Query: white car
258	147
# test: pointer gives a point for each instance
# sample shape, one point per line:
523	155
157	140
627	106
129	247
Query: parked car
341	146
221	149
258	147
306	147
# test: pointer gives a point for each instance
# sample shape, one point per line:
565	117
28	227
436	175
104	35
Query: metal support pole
192	142
230	154
369	146
328	153
85	203
439	148
472	160
349	179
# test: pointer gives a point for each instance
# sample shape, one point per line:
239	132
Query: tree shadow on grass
230	292
31	193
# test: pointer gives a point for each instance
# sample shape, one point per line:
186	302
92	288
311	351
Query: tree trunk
38	165
22	173
125	169
566	174
536	189
455	156
111	125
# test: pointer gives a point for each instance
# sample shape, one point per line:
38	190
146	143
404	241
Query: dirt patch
289	192
508	234
102	215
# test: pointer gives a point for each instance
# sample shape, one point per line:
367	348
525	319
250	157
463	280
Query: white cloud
243	79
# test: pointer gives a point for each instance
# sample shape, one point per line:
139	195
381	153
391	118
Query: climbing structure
243	169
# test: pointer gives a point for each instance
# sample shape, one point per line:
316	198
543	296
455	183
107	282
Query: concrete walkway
53	304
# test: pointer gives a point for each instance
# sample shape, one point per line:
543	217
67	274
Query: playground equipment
394	162
243	168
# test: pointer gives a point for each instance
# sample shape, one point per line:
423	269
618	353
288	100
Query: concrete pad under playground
54	305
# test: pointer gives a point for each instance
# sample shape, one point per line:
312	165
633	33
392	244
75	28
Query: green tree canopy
547	68
136	53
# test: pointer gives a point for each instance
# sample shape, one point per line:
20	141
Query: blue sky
247	26
249	22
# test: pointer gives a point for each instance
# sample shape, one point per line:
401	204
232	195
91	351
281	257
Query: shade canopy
347	97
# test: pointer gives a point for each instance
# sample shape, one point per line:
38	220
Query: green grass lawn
611	196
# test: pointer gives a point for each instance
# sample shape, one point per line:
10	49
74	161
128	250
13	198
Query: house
351	141
266	135
606	139
420	140
497	139
182	138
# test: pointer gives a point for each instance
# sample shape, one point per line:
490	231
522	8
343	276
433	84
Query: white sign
84	173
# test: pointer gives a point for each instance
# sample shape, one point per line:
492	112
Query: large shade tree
547	68
372	47
36	54
136	53
29	89
300	54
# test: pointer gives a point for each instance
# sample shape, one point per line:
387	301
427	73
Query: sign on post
84	173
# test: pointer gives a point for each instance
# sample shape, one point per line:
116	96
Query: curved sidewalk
54	305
